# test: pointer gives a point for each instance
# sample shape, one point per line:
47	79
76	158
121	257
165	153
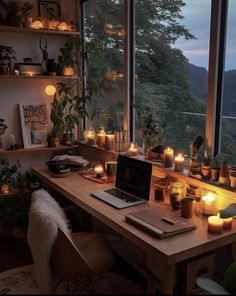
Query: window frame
217	48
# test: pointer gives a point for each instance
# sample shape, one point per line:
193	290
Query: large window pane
172	47
104	31
228	138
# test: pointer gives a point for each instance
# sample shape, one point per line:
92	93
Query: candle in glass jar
215	224
132	150
208	204
168	157
91	137
179	163
109	142
99	170
5	188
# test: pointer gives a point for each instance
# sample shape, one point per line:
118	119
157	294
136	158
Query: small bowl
58	167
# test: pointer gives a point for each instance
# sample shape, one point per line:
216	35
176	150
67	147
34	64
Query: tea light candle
208	204
5	188
132	150
109	142
179	163
168	157
99	170
215	224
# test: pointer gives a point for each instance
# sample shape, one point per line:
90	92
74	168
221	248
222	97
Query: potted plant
3	13
7	54
3	128
205	168
196	152
224	172
8	175
13	13
26	10
67	108
215	167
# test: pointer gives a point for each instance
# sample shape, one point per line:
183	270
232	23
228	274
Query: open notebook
159	223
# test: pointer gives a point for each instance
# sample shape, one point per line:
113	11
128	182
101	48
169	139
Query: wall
14	91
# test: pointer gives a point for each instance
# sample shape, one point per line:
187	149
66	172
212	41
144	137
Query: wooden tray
92	177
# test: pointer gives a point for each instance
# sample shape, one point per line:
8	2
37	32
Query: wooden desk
161	255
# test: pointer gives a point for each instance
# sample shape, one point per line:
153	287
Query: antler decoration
44	50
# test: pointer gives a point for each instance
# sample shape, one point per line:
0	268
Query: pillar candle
179	163
227	223
168	157
109	142
99	170
215	224
208	204
132	150
101	139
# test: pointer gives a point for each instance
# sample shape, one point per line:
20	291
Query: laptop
132	185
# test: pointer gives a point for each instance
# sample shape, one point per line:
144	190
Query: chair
216	289
63	262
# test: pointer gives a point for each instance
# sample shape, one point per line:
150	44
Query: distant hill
198	77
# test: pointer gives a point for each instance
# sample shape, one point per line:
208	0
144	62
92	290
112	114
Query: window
228	134
172	48
104	44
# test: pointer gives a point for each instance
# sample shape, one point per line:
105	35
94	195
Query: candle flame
209	197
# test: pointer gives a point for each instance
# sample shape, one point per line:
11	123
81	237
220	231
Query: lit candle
31	74
208	204
109	142
5	188
215	224
62	26
227	223
101	138
37	25
91	138
132	150
17	72
99	170
179	163
168	157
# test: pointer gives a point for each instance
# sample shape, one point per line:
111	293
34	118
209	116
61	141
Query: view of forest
168	86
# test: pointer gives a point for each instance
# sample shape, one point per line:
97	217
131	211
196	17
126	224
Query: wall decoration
50	10
34	124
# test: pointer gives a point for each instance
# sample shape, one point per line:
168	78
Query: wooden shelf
37	77
40	149
11	29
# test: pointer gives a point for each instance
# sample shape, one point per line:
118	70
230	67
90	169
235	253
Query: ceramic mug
111	167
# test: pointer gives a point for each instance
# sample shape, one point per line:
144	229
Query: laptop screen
134	176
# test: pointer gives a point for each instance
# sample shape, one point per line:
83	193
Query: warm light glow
5	189
98	169
50	90
37	25
31	74
68	71
91	135
208	204
132	150
179	163
179	157
62	26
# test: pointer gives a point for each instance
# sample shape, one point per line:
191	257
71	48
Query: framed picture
34	124
49	9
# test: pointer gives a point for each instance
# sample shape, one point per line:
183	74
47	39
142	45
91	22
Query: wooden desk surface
169	250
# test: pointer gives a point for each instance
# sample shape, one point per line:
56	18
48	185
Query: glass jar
177	192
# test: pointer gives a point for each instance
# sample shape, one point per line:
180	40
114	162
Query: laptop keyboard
121	195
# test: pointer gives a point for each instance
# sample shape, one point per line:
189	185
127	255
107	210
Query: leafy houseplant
7	54
215	167
67	108
26	9
8	173
3	127
205	169
150	128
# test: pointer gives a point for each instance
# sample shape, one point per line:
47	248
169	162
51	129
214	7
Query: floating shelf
37	77
26	150
11	29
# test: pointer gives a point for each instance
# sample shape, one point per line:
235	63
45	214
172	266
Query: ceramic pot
224	175
215	173
205	171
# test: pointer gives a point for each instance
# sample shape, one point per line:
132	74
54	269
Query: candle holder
132	150
121	140
208	204
215	224
99	170
101	137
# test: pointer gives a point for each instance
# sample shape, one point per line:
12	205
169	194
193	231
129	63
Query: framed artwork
34	124
49	9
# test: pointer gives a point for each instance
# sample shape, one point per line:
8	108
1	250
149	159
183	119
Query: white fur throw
44	218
